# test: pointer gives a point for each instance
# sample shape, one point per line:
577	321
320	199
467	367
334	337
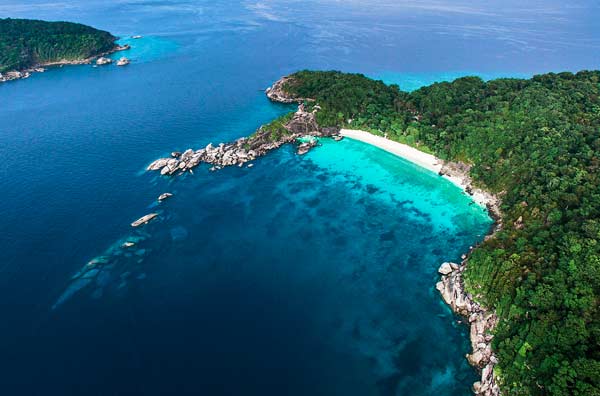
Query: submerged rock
178	233
97	293
75	286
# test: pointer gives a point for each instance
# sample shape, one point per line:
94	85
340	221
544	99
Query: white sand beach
427	161
411	154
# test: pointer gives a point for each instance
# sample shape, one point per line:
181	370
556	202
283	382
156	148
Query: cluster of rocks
221	155
111	271
14	75
123	61
244	150
119	48
26	73
482	323
101	61
305	147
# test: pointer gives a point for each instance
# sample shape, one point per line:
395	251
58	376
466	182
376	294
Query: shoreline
451	286
482	321
456	173
41	67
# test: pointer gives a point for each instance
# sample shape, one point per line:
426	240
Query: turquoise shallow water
302	275
333	256
146	49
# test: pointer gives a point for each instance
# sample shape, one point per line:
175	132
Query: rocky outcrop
144	219
164	196
303	122
277	92
14	75
123	61
244	150
482	323
40	68
305	147
103	61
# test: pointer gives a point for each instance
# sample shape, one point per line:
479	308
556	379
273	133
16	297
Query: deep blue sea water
302	275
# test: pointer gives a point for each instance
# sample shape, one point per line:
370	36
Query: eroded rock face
303	122
445	269
482	324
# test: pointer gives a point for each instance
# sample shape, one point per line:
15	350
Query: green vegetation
25	43
537	143
276	128
354	101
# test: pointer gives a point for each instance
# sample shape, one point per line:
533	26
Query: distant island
531	290
28	45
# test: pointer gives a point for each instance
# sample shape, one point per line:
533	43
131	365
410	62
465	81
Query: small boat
137	36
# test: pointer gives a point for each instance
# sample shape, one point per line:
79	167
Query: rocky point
246	149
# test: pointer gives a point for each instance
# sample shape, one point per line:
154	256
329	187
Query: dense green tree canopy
25	43
536	143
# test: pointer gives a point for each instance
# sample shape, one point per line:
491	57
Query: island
28	46
531	290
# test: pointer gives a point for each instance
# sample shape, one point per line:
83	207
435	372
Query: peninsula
531	290
28	46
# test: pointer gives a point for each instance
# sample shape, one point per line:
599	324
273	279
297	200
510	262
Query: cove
304	275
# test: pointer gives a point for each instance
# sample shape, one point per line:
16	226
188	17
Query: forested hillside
536	143
25	43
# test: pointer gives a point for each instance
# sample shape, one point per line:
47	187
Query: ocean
301	275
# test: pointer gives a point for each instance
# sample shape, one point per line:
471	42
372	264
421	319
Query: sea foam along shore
451	286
